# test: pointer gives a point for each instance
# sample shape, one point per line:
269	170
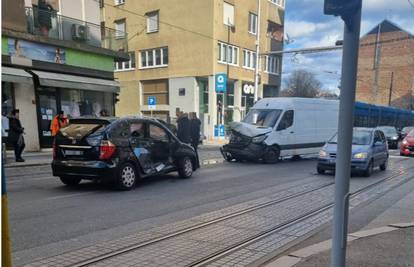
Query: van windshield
359	137
262	117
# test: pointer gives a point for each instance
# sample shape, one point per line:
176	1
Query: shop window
230	95
7	102
77	103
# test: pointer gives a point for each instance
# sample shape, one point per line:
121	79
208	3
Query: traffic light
342	8
116	98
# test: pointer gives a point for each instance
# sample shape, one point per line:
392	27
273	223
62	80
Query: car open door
141	145
160	147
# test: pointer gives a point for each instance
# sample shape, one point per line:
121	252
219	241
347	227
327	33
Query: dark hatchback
391	134
119	151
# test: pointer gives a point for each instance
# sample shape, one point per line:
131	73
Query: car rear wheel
127	177
185	167
70	181
369	170
271	156
320	170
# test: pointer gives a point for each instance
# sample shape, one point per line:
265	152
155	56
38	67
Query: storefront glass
76	103
6	98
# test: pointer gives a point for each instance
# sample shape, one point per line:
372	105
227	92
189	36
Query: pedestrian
44	17
195	125
183	128
16	135
59	121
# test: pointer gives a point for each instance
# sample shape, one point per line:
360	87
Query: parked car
405	131
407	144
119	151
391	134
283	126
369	150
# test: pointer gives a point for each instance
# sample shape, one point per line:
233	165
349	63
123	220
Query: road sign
221	82
221	129
152	102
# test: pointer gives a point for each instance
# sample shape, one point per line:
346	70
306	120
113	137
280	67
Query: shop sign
221	82
36	51
248	89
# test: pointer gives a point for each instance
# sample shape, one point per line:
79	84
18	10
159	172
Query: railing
55	26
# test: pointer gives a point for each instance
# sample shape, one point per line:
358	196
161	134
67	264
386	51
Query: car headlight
361	155
259	139
394	138
323	154
405	142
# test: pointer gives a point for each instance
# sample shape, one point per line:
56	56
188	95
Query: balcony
55	26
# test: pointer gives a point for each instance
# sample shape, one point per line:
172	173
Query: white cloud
304	28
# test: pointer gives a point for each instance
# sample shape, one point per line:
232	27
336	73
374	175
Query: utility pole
256	69
390	96
350	12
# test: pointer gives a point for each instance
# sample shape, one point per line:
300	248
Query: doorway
47	109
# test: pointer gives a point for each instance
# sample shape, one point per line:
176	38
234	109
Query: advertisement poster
35	51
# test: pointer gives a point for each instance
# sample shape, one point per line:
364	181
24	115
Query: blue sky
307	26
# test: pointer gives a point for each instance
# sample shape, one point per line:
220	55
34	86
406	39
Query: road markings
71	195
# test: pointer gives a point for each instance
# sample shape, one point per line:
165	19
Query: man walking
195	124
59	121
16	135
183	128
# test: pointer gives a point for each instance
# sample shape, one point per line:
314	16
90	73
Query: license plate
73	153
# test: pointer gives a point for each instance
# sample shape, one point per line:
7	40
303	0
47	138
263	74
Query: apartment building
386	67
56	56
177	47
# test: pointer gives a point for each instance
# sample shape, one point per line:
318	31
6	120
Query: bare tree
302	83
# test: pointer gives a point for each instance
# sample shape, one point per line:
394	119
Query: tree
302	83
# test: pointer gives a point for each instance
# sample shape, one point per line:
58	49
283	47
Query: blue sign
221	82
152	101
216	130
219	130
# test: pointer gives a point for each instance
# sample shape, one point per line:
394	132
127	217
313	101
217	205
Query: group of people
188	128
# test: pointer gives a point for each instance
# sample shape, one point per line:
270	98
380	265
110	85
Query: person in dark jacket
183	128
195	125
16	135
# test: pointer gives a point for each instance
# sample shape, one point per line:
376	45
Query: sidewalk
386	241
209	152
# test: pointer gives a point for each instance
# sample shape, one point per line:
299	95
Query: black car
391	134
119	151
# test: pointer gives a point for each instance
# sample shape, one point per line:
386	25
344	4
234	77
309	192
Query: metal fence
55	26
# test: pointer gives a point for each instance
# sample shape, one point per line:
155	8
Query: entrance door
47	110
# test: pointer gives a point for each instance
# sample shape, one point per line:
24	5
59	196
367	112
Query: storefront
247	98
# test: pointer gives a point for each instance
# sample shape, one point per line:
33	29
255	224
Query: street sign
152	102
221	129
221	82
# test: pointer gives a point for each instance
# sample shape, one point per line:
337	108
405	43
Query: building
386	67
178	46
56	56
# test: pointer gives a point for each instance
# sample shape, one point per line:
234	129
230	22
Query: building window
126	65
249	59
272	64
228	54
280	3
154	58
7	99
157	89
230	95
152	21
120	28
228	14
119	2
252	23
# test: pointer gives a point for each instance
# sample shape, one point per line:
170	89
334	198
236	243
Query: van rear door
80	140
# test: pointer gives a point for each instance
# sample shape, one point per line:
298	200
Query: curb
297	256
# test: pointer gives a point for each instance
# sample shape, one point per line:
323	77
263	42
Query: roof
386	26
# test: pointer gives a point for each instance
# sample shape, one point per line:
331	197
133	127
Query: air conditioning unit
79	32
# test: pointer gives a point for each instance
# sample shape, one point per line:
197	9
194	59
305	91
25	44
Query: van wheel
271	156
185	167
127	177
70	181
369	170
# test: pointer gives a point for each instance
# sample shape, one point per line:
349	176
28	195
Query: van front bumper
250	152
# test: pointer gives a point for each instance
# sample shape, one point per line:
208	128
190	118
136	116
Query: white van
283	126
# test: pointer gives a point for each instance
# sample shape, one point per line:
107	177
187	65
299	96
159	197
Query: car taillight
107	149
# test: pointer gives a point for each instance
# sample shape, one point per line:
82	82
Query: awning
76	82
15	75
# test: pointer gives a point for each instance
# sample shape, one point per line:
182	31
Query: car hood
248	129
332	148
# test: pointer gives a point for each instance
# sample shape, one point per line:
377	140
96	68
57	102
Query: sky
307	26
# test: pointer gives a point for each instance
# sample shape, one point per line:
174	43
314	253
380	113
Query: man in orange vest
59	121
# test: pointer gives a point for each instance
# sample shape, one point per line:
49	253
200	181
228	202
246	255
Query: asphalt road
48	218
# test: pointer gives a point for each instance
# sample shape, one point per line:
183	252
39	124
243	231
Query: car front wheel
127	177
185	167
70	181
369	170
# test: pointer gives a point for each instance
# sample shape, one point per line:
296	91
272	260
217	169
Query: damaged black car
119	151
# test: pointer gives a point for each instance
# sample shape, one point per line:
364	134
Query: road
48	218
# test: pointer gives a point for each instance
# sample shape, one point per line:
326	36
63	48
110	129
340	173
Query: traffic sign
221	82
152	102
221	129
